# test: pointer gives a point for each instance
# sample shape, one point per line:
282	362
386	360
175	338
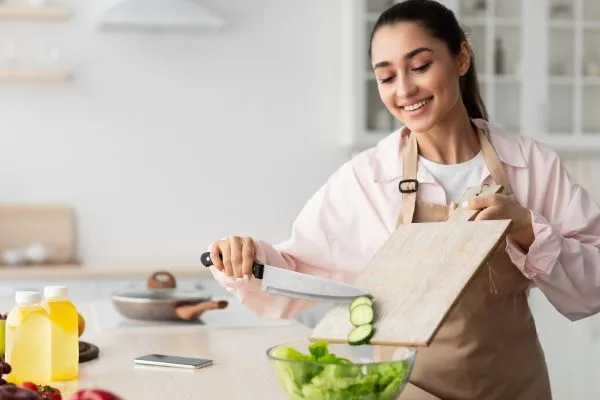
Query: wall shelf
34	13
564	143
561	24
503	78
34	75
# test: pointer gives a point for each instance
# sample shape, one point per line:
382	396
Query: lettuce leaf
337	377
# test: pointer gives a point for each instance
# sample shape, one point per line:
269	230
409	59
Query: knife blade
297	285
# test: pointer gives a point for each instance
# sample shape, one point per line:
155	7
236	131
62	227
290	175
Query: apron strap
499	176
409	185
493	163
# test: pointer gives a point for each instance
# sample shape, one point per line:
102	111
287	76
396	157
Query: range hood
160	15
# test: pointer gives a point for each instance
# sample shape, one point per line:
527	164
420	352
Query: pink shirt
344	224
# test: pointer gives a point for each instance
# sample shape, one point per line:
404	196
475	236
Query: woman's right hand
234	256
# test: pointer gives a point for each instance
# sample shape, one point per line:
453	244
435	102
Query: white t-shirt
456	178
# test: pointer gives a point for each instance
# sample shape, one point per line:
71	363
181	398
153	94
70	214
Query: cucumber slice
362	314
361	300
361	335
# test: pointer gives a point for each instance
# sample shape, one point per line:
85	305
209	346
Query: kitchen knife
294	284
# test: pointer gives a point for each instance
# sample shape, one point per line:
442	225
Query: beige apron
487	348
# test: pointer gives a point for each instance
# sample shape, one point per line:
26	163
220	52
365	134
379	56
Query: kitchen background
162	143
127	150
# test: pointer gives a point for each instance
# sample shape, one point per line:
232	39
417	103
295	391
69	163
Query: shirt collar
387	160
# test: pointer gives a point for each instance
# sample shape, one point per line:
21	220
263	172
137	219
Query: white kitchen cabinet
591	378
583	170
566	346
537	60
572	348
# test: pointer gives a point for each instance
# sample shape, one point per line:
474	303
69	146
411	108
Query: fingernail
465	204
246	278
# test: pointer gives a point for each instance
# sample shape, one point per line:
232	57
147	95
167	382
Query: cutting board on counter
53	225
418	275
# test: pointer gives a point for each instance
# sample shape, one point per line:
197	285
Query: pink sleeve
307	251
564	259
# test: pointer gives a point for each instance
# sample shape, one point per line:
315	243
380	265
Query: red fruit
12	392
49	393
94	394
30	385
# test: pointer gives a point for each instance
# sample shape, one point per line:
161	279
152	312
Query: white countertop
240	370
238	348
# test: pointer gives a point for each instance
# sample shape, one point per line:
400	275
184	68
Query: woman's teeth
416	106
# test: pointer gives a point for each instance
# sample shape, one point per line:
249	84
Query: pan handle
257	268
161	280
191	312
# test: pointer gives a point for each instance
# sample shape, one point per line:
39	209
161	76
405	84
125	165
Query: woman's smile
416	107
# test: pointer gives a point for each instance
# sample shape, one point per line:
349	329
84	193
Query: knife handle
257	269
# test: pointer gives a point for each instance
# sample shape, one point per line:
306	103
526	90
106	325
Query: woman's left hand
500	206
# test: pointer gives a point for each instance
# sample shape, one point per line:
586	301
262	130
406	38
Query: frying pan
162	301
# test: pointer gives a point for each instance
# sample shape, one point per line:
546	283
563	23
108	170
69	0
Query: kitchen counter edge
99	271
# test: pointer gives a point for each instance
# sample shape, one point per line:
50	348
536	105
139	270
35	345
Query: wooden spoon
191	312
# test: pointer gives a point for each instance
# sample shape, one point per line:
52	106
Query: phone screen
172	361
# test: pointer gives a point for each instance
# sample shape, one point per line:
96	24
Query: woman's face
417	77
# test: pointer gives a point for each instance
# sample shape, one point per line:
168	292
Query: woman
488	347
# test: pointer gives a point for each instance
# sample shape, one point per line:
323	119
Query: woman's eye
422	68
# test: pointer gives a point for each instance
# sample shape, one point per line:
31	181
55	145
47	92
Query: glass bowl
331	371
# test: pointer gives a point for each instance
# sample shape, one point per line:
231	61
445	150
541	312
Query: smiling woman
487	348
425	67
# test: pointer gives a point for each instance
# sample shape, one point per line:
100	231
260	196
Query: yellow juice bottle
28	340
65	334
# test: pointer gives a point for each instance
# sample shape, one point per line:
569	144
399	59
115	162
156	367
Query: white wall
164	143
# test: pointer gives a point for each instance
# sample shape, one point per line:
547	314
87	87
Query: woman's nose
405	87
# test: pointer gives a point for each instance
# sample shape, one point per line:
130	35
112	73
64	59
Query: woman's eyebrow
407	57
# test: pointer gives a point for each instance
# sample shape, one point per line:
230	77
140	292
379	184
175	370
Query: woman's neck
452	141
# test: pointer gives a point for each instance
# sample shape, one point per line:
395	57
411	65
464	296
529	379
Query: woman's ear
464	58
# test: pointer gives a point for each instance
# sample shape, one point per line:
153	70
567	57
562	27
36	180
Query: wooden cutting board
53	225
418	275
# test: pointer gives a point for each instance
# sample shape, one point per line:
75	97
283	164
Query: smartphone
162	360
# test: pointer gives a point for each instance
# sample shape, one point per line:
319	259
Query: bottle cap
28	297
55	291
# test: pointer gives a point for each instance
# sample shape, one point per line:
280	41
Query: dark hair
441	23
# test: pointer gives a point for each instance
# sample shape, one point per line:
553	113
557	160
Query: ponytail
471	95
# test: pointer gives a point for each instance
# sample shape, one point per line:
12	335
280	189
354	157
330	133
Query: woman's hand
500	206
234	256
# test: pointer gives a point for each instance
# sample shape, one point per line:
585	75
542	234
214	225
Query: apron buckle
409	190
